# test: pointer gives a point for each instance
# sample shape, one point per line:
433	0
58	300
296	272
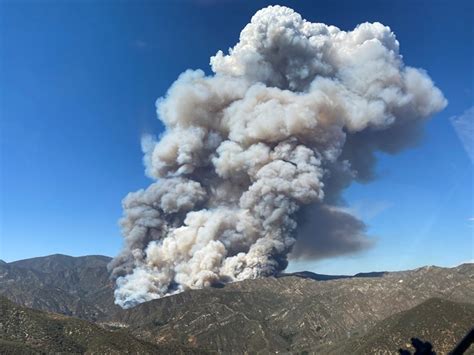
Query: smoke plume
292	115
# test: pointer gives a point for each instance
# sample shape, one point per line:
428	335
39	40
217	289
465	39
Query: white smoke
293	114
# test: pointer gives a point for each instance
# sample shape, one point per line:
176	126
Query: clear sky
78	84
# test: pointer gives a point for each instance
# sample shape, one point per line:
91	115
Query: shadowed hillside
24	330
443	323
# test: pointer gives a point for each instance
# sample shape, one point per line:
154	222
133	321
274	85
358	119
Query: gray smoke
293	114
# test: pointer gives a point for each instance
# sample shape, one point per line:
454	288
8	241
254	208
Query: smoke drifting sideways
292	115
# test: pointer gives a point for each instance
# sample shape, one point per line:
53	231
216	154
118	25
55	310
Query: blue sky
79	80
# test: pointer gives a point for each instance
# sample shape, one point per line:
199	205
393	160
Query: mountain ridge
293	312
75	286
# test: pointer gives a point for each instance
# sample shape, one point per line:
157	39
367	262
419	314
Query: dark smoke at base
292	116
326	231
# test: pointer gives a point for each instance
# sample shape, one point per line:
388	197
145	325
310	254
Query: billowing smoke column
293	114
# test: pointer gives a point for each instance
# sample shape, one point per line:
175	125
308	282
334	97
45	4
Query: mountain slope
27	330
291	313
76	286
443	323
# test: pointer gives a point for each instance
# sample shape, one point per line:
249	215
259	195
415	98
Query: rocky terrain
298	313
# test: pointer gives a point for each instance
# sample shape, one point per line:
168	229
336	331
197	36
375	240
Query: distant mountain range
74	286
298	313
